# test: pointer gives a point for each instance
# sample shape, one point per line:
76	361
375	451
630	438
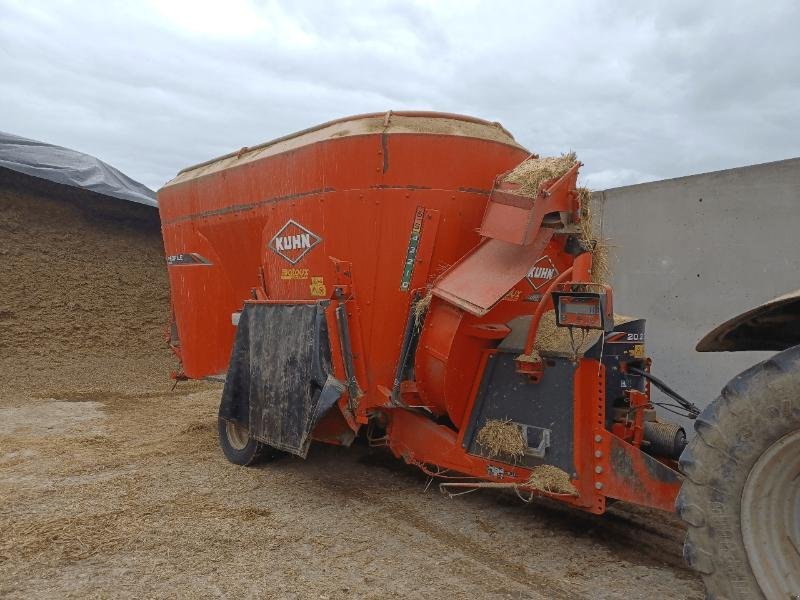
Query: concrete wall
689	253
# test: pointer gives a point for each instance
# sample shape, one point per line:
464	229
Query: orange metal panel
338	190
636	477
508	222
483	277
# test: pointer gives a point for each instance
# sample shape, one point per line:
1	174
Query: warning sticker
317	287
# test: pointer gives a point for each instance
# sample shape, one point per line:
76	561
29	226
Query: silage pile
85	298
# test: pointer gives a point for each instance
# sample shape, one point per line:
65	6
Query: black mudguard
279	383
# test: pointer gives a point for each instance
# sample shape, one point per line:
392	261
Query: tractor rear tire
741	495
239	448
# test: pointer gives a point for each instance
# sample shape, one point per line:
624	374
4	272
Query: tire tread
731	433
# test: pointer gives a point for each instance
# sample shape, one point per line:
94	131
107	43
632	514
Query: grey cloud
640	91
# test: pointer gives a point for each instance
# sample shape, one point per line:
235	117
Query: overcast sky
640	90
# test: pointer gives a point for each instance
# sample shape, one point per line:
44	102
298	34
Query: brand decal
624	337
191	258
293	241
294	273
497	472
542	271
411	253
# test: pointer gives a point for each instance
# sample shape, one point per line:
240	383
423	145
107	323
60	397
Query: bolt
598	454
598	438
598	486
598	469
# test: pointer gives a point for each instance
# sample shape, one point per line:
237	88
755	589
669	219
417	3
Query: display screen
583	305
579	312
580	308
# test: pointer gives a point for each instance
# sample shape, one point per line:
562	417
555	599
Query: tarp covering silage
70	167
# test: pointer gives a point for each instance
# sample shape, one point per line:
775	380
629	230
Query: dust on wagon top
391	122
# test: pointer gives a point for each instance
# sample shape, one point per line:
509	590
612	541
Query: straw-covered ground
112	485
110	493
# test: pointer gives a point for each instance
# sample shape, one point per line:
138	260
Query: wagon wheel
239	448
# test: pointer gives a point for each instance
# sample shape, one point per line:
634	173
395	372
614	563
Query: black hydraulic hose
690	407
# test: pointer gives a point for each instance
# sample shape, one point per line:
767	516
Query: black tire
756	409
239	453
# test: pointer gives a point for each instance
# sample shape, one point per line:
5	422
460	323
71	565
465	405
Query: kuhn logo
293	241
541	272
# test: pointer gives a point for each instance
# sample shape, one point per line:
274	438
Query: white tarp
70	167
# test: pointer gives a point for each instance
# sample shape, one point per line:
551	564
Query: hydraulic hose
690	407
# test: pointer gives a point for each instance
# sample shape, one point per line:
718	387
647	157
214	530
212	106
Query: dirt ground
108	493
112	484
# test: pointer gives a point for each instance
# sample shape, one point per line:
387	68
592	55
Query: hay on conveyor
547	478
529	176
502	437
531	173
601	270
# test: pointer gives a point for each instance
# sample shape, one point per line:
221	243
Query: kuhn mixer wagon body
420	276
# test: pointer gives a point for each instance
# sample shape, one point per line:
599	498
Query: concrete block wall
689	253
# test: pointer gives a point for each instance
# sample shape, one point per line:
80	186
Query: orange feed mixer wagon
379	275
